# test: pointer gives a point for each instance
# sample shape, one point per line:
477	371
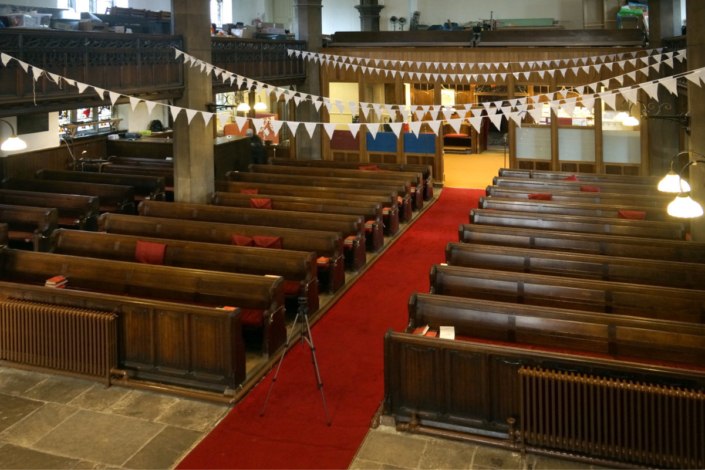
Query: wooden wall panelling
512	126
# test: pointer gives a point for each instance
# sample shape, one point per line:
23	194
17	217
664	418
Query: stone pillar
696	106
193	144
664	20
369	14
309	25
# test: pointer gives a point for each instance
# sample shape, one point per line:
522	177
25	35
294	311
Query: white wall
140	119
36	141
154	5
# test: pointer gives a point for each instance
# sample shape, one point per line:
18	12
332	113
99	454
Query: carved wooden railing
134	64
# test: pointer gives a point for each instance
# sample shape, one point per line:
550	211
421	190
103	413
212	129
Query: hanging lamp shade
685	207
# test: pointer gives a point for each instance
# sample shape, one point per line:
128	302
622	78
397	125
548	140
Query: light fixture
630	121
14	143
259	106
652	110
243	107
621	116
683	206
672	182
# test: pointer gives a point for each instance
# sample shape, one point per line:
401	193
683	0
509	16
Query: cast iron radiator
48	336
612	419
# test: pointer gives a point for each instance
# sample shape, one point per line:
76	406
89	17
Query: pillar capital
369	14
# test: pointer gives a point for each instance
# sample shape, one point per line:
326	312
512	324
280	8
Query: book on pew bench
58	282
447	332
431	333
421	330
225	307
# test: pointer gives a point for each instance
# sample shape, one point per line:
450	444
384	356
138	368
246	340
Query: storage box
93	27
265	25
27	20
273	31
242	33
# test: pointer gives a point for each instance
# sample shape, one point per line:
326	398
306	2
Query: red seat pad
589	189
541	196
349	242
323	263
268	242
456	135
150	253
369	168
261	204
249	191
369	225
241	240
633	215
400	200
252	317
292	287
571	178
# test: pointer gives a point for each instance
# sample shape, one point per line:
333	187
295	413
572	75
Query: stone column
193	144
309	25
369	14
696	105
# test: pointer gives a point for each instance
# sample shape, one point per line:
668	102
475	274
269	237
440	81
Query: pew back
655	201
539	185
145	187
584	177
75	210
29	224
425	170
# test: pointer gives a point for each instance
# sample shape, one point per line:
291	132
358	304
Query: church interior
365	234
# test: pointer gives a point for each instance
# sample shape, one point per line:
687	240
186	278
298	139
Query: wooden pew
568	223
374	177
260	298
659	214
136	161
390	207
373	213
539	186
614	335
113	198
662	303
4	235
584	177
149	346
425	170
75	211
626	247
326	245
352	227
145	187
605	268
29	225
657	201
298	268
157	171
395	191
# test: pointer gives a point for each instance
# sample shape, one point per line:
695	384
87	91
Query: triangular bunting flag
293	126
37	73
415	127
190	114
223	118
372	129
434	125
310	128
651	88
175	110
671	84
242	123
4	58
396	128
24	65
476	122
134	102
455	124
610	99
354	129
258	124
497	120
206	117
114	97
150	106
330	128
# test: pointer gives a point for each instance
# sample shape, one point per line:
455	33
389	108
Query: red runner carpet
349	345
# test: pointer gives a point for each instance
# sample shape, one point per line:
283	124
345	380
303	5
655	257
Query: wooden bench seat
389	204
658	214
662	303
75	211
260	298
659	201
298	268
4	234
614	335
607	245
145	187
157	171
559	185
374	177
326	245
29	225
352	227
425	170
584	177
553	263
373	213
113	198
150	332
569	223
399	193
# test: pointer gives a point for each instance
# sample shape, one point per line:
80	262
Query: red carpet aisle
348	340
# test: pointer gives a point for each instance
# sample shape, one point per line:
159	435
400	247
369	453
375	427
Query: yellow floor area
472	171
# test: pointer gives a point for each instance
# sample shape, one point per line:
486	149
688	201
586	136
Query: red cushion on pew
241	240
571	178
150	253
268	242
292	288
261	204
369	225
633	215
541	197
323	263
249	191
589	189
457	136
369	168
251	317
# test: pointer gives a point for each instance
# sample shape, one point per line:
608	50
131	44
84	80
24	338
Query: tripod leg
315	366
286	347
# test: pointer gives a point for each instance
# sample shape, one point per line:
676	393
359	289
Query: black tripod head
303	306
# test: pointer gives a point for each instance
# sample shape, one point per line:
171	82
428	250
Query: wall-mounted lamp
672	182
14	143
683	206
260	106
651	111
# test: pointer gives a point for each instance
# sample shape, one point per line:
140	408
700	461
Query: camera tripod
305	337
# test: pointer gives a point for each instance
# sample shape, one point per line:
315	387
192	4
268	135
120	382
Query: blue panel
424	143
385	142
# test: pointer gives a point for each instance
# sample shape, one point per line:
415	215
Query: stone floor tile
192	414
165	450
14	409
99	398
58	389
88	465
491	457
15	457
143	405
360	464
36	425
387	466
392	449
444	454
99	437
548	463
17	382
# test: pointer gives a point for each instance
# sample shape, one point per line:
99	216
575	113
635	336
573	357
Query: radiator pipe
171	390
